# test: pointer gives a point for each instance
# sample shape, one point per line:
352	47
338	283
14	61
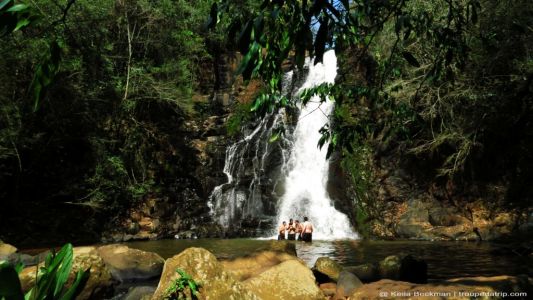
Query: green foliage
10	287
241	115
183	287
362	222
51	279
358	165
45	73
93	98
429	80
14	16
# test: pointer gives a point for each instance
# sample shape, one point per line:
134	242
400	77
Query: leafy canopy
291	30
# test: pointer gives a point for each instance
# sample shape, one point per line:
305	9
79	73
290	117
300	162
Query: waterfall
307	178
251	166
271	182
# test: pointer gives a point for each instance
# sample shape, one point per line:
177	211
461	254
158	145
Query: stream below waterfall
445	259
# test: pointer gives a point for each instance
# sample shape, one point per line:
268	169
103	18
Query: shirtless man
307	231
299	228
292	231
281	231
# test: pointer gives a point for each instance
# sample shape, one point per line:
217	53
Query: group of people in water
296	231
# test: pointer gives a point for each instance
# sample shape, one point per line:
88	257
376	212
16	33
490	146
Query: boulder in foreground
289	280
127	264
215	283
243	268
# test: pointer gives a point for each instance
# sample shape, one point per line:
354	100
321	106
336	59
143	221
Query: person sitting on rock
281	231
299	229
292	230
307	231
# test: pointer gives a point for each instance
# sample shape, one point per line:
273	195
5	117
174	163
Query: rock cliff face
185	212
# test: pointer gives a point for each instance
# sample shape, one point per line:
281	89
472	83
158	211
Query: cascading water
272	182
251	165
307	178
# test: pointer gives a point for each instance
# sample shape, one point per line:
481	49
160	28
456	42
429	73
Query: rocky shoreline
274	272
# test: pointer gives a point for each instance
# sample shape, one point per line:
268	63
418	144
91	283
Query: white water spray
272	182
306	181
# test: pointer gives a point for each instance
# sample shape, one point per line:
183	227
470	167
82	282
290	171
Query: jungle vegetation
93	94
445	85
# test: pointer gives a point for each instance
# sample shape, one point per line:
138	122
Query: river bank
448	267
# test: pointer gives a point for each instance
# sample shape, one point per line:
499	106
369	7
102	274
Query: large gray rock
215	283
346	285
326	269
25	259
127	264
289	280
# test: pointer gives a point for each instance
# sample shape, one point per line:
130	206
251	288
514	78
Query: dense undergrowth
106	129
469	125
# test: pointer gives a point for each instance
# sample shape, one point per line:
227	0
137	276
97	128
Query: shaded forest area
107	129
441	89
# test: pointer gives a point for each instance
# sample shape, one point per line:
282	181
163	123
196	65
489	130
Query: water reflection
445	259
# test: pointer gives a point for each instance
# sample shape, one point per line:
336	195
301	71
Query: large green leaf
10	288
64	269
77	286
4	3
45	74
18	7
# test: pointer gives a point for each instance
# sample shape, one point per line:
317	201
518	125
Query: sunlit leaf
274	137
18	7
22	23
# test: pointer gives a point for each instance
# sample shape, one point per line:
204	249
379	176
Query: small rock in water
346	285
406	268
326	269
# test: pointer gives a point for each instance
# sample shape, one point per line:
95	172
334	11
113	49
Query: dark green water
445	259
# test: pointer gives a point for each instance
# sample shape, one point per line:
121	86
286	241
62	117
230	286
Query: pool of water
445	259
